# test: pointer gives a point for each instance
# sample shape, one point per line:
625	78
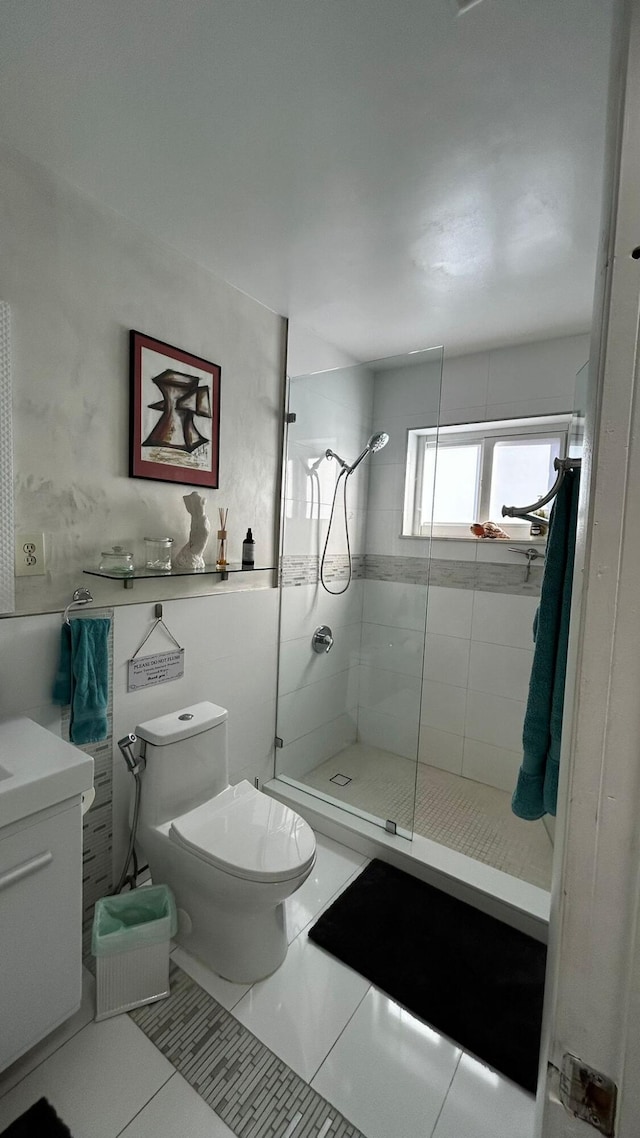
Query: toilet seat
246	834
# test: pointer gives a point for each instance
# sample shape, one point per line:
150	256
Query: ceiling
390	174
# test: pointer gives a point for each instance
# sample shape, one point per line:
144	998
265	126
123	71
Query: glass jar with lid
158	553
116	560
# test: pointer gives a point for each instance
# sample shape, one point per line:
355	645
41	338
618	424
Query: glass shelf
151	574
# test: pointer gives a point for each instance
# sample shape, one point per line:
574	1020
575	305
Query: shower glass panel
354	591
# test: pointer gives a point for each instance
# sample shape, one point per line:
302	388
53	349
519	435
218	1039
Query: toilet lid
247	834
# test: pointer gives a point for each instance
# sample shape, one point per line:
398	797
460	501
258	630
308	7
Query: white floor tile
224	991
388	1073
335	865
300	1010
482	1104
17	1071
97	1081
177	1109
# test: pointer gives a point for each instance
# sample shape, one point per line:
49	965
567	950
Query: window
463	474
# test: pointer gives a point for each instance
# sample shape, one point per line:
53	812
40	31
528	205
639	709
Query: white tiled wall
318	692
477	667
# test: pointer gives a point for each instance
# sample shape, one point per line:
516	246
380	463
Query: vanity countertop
37	769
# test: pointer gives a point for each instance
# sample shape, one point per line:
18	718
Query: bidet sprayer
136	766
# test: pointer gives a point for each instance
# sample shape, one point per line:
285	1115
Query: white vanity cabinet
40	883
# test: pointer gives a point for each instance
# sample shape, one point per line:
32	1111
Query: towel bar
80	597
527	512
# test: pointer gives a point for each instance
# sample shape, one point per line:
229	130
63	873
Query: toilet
230	854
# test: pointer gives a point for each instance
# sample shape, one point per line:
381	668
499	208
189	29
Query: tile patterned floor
461	814
385	1071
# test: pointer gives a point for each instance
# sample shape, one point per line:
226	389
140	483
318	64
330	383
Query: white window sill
524	540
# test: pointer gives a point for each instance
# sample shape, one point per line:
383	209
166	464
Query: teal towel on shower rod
82	678
537	788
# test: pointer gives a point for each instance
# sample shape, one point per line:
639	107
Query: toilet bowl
230	854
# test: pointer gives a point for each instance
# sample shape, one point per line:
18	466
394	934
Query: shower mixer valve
322	639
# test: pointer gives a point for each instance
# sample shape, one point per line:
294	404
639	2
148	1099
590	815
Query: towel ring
80	597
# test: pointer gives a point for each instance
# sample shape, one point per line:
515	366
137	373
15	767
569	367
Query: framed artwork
175	414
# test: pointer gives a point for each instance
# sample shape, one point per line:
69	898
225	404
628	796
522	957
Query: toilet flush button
187	715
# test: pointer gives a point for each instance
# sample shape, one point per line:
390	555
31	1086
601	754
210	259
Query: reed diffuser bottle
221	559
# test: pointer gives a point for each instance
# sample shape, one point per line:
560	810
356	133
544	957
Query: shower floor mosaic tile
463	815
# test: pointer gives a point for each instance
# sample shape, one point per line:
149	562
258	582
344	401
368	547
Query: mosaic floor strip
247	1086
459	813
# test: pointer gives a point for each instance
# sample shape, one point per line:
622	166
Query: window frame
487	435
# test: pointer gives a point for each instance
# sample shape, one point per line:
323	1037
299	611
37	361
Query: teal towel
537	788
82	679
62	683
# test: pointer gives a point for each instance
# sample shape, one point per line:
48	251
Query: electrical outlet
30	554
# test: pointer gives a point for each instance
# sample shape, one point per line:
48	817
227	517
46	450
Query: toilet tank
186	760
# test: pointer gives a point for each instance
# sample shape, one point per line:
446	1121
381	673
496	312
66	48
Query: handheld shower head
375	443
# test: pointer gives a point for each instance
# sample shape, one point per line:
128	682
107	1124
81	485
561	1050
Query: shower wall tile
392	693
392	649
522	408
495	720
452	416
308	751
548	367
412	390
441	749
395	604
383	531
449	611
494	766
351	387
465	380
307	606
303	569
443	707
396	426
386	484
446	659
453	574
406	570
251	742
306	709
500	670
300	665
502	619
449	550
377	729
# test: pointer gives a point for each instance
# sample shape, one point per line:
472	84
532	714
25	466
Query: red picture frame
175	414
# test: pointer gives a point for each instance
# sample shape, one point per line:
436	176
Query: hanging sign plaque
161	668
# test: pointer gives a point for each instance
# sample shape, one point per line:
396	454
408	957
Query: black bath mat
39	1121
467	974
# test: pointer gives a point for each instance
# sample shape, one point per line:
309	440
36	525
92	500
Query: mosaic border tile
302	569
480	576
253	1091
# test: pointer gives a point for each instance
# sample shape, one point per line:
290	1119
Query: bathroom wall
230	643
478	648
77	278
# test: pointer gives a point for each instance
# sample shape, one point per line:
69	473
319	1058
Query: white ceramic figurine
191	556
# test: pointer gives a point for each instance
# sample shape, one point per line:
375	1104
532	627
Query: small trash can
131	941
